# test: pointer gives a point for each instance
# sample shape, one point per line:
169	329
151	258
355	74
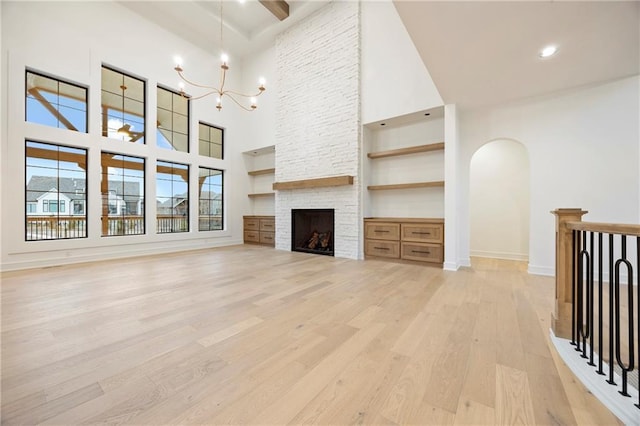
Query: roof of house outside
39	185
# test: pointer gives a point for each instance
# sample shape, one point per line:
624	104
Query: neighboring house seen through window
172	192
210	199
122	188
55	177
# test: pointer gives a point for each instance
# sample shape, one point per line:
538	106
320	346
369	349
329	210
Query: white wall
499	201
395	81
71	40
583	149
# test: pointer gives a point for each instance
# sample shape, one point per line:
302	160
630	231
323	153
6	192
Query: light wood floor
251	335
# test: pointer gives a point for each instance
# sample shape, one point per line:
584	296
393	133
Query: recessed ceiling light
383	124
427	113
548	51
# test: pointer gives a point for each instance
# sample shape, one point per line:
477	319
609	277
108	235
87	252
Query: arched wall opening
499	197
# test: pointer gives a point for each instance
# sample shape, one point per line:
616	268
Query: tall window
210	140
55	177
122	106
210	199
122	188
172	191
173	120
55	103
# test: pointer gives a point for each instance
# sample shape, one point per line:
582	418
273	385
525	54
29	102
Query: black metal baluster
579	297
590	302
638	305
625	368
574	282
612	336
583	306
600	313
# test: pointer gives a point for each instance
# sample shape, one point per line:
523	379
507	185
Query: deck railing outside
66	227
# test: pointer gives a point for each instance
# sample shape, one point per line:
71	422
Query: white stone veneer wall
318	120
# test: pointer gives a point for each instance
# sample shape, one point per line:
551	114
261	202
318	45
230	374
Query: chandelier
221	91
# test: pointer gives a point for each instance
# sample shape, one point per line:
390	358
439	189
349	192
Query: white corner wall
395	80
71	40
583	147
499	201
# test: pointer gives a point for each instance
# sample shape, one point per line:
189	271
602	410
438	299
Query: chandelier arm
204	95
196	84
238	103
223	77
242	94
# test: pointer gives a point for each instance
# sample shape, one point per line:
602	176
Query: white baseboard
450	266
466	262
499	255
122	252
541	270
622	407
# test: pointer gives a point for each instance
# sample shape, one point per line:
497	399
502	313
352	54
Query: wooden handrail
607	228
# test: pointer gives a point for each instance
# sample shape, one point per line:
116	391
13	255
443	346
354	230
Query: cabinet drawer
423	252
251	237
382	231
382	248
251	224
267	238
427	233
268	225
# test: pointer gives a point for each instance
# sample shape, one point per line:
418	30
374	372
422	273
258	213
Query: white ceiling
248	26
478	53
481	53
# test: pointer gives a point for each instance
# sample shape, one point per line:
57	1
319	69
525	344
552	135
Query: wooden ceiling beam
279	8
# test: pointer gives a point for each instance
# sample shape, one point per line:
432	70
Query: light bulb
548	51
254	101
224	58
178	61
181	86
262	81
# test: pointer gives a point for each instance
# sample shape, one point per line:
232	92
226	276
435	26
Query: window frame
104	131
222	132
172	112
58	80
172	197
54	217
210	199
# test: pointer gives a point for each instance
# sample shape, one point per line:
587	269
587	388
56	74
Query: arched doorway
499	195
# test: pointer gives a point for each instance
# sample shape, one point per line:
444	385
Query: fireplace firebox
312	231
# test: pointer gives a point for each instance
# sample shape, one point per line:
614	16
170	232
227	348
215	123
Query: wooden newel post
561	317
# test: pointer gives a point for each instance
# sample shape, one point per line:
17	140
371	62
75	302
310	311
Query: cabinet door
423	232
267	238
382	248
268	225
382	231
251	237
251	224
423	252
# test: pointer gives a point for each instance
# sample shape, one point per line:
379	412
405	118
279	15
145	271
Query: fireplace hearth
312	231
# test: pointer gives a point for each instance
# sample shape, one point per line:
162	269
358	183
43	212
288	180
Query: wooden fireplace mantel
314	183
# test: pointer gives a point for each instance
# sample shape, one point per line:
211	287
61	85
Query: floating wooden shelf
405	151
434	184
261	172
314	183
261	194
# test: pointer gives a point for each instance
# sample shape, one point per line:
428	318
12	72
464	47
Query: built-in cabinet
260	167
416	239
403	183
259	227
259	230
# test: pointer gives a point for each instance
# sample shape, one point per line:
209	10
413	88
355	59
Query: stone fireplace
312	231
318	123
